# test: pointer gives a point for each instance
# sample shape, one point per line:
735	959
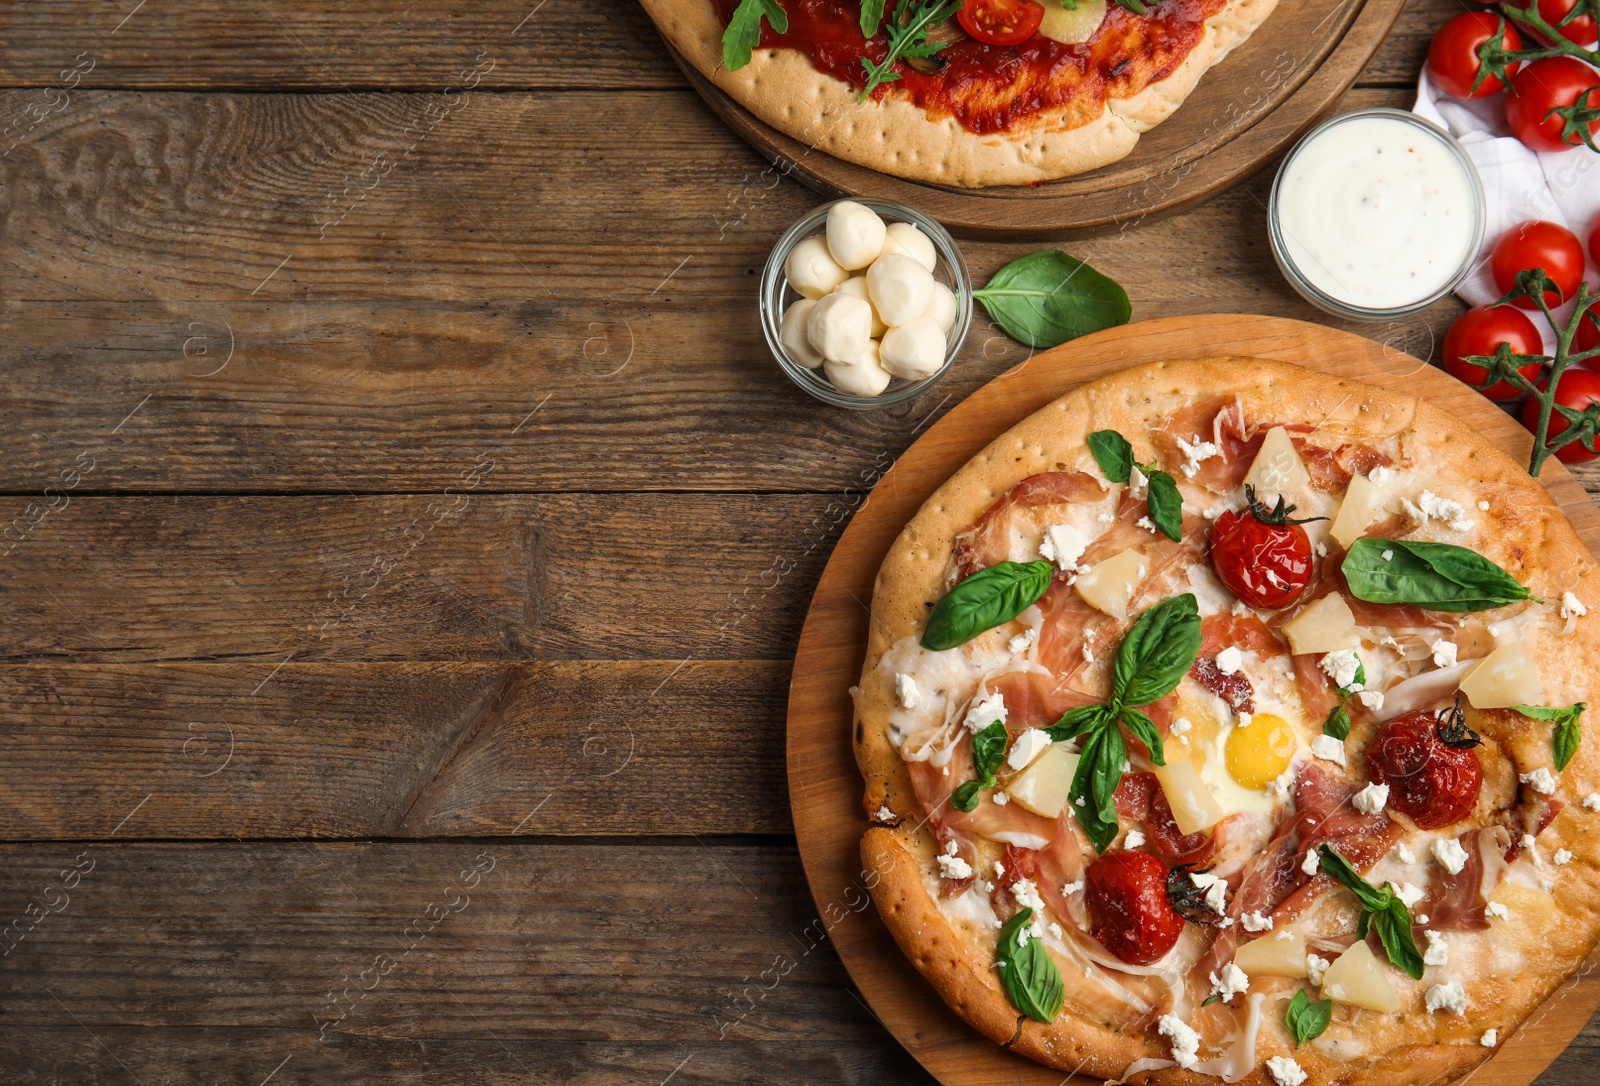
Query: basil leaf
1107	771
1567	733
1380	909
871	16
1339	868
1147	732
985	600
744	30
1166	505
1305	1019
1439	576
1075	722
988	749
1338	723
1048	297
1098	824
1030	978
965	797
1157	653
1113	453
1357	683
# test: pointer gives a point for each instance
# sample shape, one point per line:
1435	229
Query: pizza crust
1538	546
895	136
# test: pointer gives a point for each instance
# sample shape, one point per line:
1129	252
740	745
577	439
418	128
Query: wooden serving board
1244	113
824	785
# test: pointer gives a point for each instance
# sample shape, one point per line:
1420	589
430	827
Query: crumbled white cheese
1315	967
1105	518
1422	918
1531	843
1071	888
1285	1071
952	866
1497	909
1144	522
1321	549
1230	660
1254	921
1444	653
1404	853
1409	893
886	815
1341	666
1328	749
906	692
1370	699
1451	998
1026	894
1055	929
1246	719
1181	726
1063	544
1133	840
1447	512
1023	641
1572	606
985	711
1562	857
1215	887
1194	452
1451	856
1491	1037
1540	780
1185	1041
1438	952
1311	865
1591	802
1138	484
1000	799
1387	555
1026	747
1371	799
1232	981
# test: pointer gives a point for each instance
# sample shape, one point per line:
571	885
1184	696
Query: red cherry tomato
1580	31
1481	330
1000	22
1430	782
1577	389
1453	61
1536	244
1588	337
1594	241
1262	555
1546	85
1126	895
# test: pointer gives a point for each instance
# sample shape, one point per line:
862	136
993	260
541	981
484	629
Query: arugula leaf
1029	977
1439	576
985	600
908	37
965	797
871	16
1046	298
1157	652
744	30
1306	1019
1338	723
1567	732
1381	909
1166	505
1132	5
1113	453
988	750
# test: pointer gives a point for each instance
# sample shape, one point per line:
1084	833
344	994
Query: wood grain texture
824	785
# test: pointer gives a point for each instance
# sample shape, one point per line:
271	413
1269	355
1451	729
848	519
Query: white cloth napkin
1558	186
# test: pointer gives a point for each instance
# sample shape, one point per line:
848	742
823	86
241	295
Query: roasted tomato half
1126	895
1430	766
1262	554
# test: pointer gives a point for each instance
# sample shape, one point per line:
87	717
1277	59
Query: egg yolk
1258	755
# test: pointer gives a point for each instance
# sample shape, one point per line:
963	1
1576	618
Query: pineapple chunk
1277	468
1363	501
1505	677
1326	626
1072	26
1356	977
1194	808
1280	954
1042	787
1110	584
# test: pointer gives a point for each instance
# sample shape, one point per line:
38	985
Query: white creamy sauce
1377	212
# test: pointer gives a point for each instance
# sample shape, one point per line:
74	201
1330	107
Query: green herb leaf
988	750
985	600
1157	653
1210	1000
871	16
908	37
1339	868
1048	297
1439	576
744	30
1567	732
1306	1019
1132	5
1113	453
1030	978
1380	909
1357	683
1101	756
1147	732
1076	722
1338	723
965	797
1166	505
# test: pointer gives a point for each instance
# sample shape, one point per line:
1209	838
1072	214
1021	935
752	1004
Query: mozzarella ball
914	350
863	377
900	288
792	334
943	309
855	235
857	285
840	327
811	270
907	240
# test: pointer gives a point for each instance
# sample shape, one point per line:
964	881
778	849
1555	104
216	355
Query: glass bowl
1339	307
777	295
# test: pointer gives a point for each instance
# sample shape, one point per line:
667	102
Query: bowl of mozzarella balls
865	302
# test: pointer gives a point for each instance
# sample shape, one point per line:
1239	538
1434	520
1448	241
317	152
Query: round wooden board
1245	112
824	785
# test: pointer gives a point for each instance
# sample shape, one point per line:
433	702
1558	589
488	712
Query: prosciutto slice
989	540
1140	799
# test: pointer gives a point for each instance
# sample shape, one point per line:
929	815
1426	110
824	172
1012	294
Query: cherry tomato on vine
1433	773
1000	22
1540	88
1588	337
1261	554
1481	330
1537	244
1577	389
1580	31
1129	914
1453	60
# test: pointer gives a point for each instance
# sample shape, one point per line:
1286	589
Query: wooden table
409	538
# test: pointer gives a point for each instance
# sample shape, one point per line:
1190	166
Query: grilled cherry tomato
1577	389
1537	244
1126	895
1540	88
1430	767
1453	61
1581	31
1481	330
1000	22
1261	554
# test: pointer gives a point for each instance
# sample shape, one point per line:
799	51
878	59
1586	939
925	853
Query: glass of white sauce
1376	213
